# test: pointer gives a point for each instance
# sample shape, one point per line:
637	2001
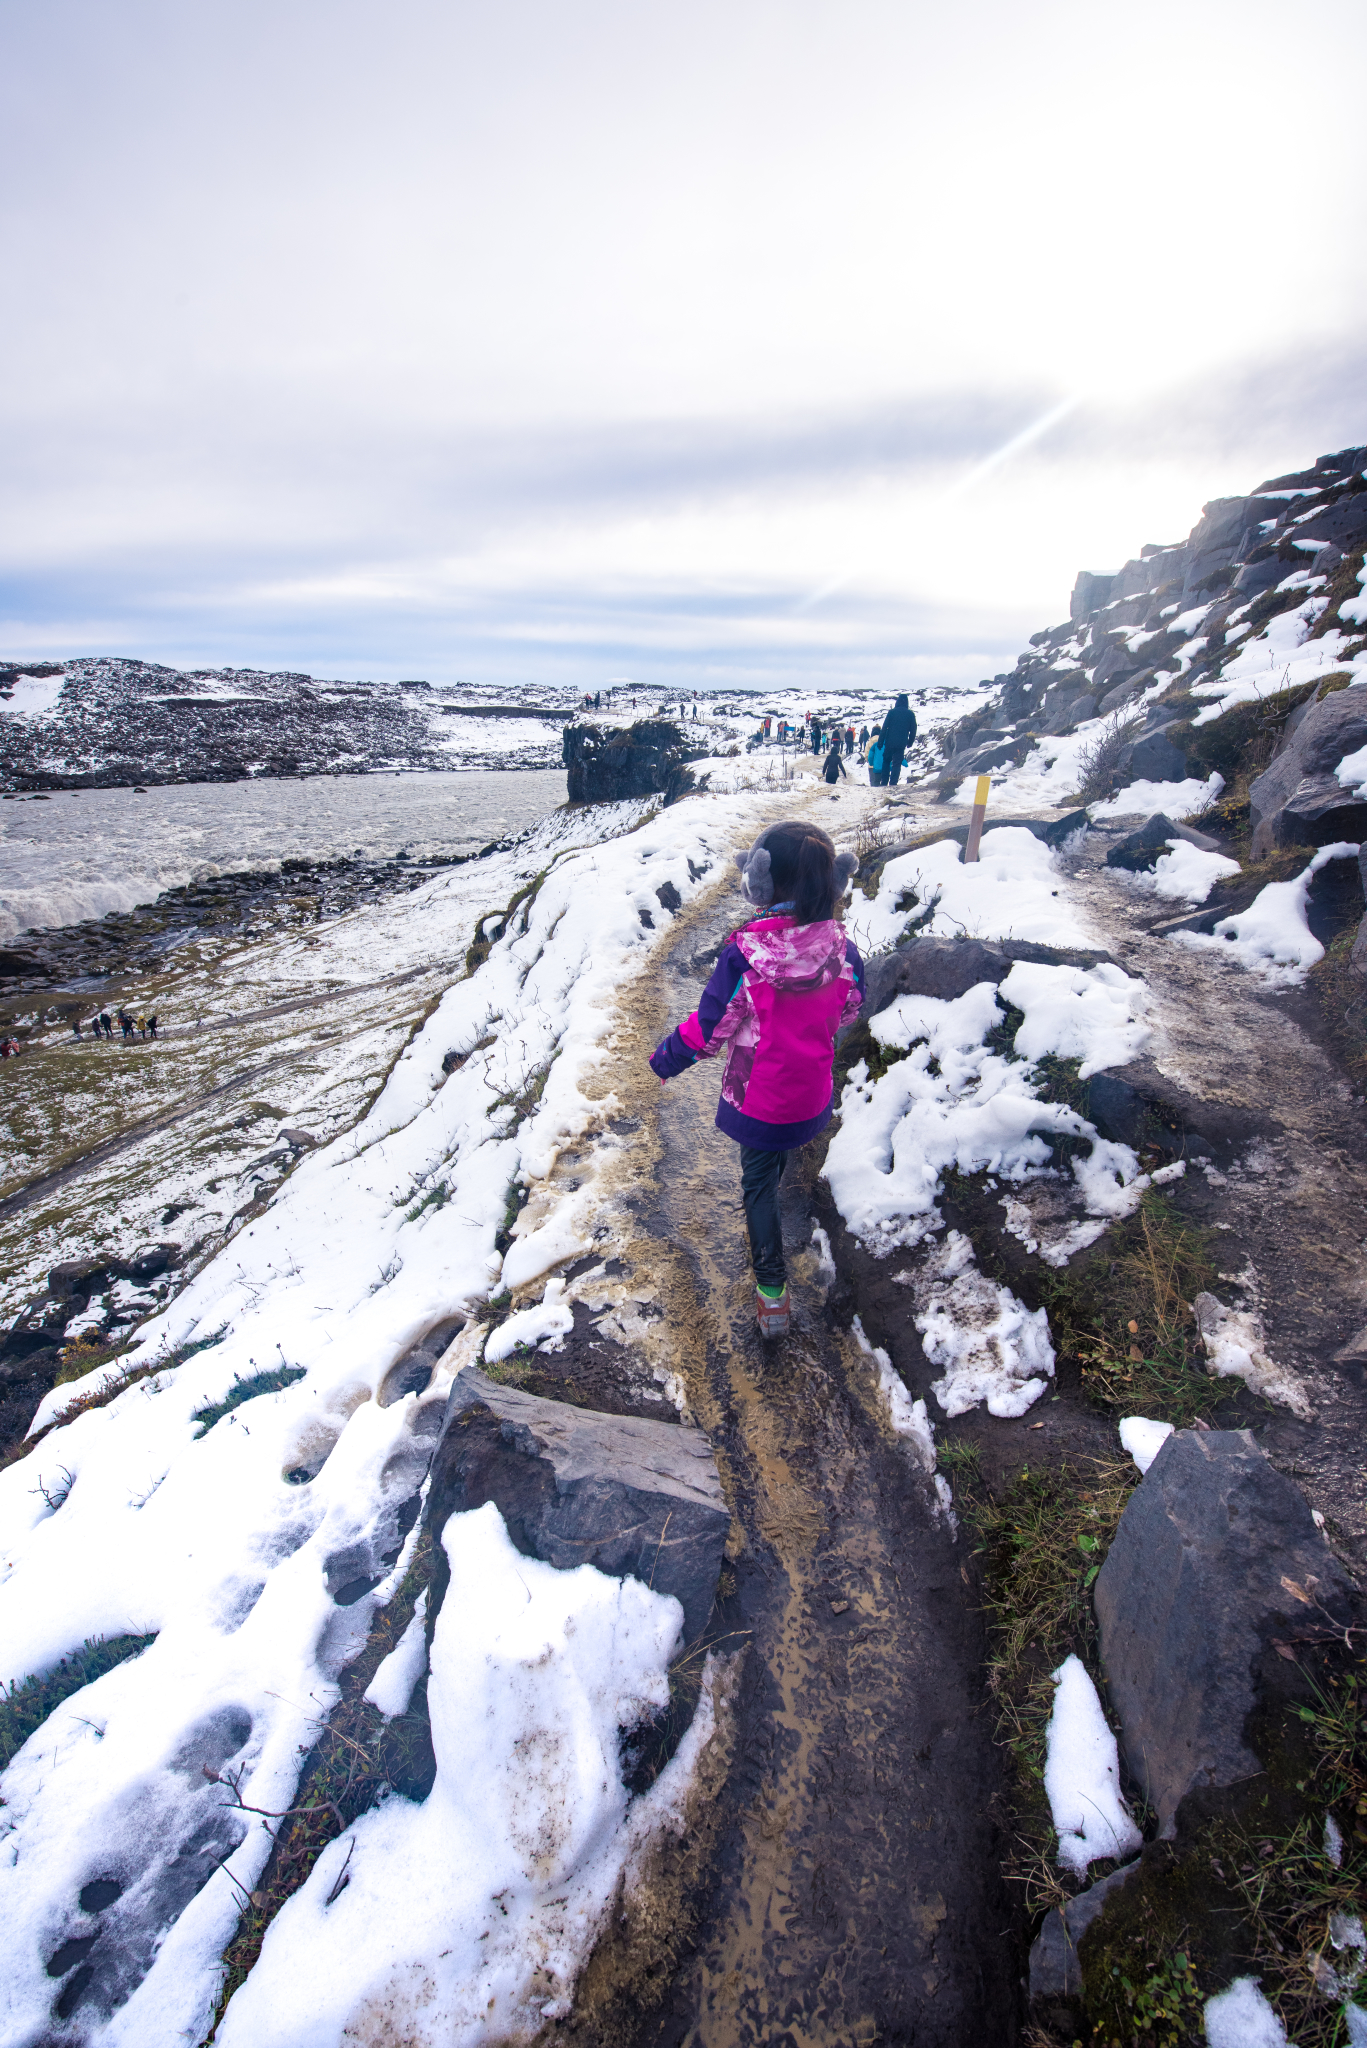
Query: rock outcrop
114	722
1300	801
609	764
1216	1550
1180	612
575	1487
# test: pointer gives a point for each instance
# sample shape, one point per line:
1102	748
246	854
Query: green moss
246	1390
26	1705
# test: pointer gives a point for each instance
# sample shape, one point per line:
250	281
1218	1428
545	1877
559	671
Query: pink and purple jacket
777	997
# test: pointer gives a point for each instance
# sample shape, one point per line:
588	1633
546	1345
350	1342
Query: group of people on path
885	748
130	1027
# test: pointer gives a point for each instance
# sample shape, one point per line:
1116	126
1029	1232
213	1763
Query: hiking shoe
773	1313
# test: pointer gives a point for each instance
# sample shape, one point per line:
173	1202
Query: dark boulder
1215	1550
631	1496
948	968
609	764
1299	800
1142	848
1153	758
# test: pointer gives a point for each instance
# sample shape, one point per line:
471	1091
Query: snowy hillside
1265	595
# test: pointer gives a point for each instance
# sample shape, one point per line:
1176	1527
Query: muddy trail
842	1877
841	1886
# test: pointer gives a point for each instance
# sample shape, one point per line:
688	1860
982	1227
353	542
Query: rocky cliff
1182	662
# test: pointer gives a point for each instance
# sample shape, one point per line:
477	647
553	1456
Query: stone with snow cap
1214	1549
631	1496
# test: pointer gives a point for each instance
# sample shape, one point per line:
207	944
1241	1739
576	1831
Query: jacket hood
794	957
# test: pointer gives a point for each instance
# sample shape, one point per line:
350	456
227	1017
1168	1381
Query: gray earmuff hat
756	871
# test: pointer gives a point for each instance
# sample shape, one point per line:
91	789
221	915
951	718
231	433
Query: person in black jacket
899	732
834	765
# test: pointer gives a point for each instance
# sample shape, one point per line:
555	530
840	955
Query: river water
81	853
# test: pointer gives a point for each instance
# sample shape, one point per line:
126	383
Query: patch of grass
1252	1888
271	1382
1041	1543
358	1757
25	1705
436	1198
1125	1317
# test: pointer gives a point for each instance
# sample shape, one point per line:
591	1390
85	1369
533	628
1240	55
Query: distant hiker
784	985
899	731
597	700
877	772
834	765
106	1023
152	1025
125	1025
849	739
695	708
863	741
76	1027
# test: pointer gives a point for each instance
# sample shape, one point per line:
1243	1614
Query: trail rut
851	1895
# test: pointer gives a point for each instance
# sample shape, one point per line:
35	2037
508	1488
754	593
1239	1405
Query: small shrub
1099	763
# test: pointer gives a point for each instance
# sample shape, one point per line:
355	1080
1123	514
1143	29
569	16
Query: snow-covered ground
126	1520
226	1546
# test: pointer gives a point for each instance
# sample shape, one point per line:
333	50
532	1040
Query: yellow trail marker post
975	823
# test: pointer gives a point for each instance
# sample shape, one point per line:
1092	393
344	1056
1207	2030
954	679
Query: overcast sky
575	342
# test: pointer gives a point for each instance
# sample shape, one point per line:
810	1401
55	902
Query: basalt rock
610	764
1142	848
1153	758
1299	801
948	968
1215	1555
630	1496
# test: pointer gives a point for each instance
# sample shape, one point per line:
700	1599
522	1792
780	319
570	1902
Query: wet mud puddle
850	1893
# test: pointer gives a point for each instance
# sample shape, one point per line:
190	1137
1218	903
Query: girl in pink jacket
781	990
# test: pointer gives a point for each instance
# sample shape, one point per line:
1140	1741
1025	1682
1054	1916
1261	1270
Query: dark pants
894	768
760	1174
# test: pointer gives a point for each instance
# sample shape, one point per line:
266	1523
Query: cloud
459	340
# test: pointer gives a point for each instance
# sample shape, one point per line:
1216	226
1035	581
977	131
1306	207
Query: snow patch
1235	1349
1143	1439
1179	800
1242	2018
1082	1776
553	1319
481	1904
1185	871
391	1688
989	1346
1272	936
909	1420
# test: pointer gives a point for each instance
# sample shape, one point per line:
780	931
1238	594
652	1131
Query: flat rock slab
947	968
1055	1971
1215	1549
1144	847
631	1496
